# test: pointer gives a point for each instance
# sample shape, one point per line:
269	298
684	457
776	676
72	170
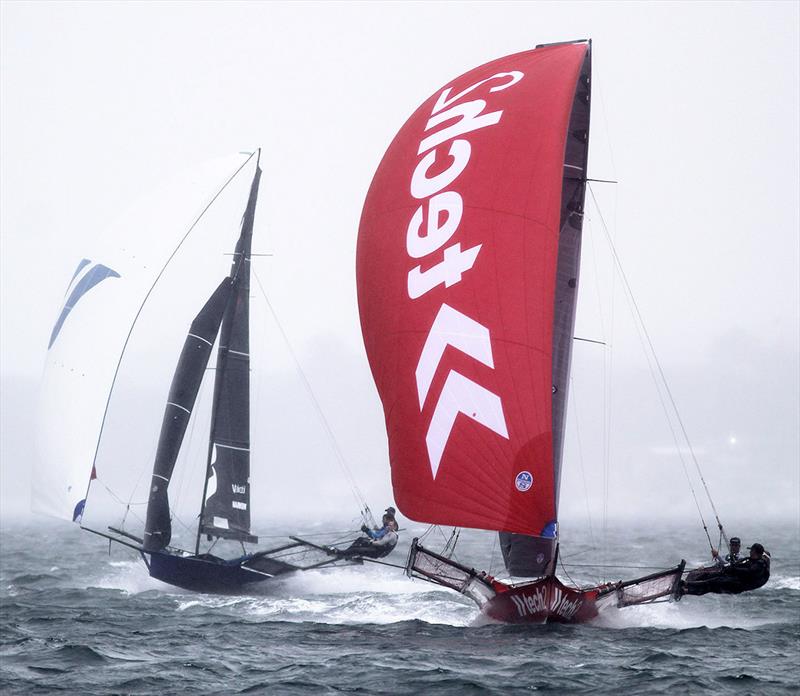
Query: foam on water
353	595
790	583
691	612
373	594
103	625
346	595
130	577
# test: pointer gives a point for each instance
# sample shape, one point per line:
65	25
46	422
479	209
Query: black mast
226	511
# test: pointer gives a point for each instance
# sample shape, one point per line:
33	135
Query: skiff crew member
383	540
733	557
388	524
376	543
749	574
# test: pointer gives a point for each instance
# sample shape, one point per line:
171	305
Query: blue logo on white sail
523	481
77	513
96	274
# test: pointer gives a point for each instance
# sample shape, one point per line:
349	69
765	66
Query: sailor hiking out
739	576
377	542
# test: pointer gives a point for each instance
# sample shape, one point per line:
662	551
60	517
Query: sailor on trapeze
738	576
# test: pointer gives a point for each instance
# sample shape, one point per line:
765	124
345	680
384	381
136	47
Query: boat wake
377	595
354	595
790	583
684	615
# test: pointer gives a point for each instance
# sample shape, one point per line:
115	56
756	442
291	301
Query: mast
533	556
225	506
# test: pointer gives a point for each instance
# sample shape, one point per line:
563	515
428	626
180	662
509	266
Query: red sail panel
456	268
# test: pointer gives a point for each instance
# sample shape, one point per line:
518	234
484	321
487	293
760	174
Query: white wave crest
130	577
346	595
790	583
353	595
690	612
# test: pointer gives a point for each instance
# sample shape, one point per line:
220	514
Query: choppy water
76	619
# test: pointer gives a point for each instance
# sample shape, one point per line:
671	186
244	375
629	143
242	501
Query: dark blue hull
206	573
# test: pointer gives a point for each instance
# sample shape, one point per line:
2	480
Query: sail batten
463	248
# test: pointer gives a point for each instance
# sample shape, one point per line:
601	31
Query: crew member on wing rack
377	543
745	575
733	557
385	538
388	524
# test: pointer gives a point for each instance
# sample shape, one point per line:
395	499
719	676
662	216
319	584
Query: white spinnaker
84	356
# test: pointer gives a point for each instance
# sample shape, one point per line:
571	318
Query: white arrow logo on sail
459	394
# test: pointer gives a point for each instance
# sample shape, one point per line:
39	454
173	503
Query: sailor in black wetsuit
738	577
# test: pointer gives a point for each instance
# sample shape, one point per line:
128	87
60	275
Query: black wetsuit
733	579
365	548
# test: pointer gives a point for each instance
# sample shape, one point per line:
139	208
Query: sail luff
225	510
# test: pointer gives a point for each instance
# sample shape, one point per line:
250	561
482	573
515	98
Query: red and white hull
546	600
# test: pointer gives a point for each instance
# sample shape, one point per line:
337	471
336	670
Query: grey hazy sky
695	112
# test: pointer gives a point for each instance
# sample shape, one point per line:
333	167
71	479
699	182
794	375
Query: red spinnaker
456	269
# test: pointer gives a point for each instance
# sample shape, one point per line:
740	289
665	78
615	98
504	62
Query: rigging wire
366	513
569	577
580	462
652	354
384	563
600	565
450	546
496	539
426	533
608	362
608	356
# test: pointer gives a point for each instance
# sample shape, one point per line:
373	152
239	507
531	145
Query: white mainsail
110	329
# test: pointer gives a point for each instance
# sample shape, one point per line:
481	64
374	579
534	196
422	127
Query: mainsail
226	509
467	272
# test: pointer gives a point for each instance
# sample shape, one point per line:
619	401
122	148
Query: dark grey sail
530	556
226	509
180	402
